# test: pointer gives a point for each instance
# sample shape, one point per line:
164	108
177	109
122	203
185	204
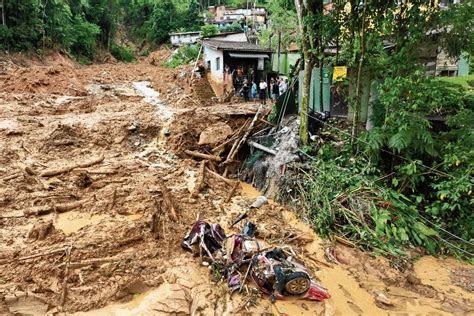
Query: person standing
283	86
245	91
263	91
254	91
275	90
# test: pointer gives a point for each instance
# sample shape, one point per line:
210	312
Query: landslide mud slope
83	159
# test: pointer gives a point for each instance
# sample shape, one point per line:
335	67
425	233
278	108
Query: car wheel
297	283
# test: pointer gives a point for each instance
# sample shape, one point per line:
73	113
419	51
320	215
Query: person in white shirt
263	91
283	86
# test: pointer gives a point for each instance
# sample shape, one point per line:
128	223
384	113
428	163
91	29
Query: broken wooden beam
263	148
59	170
60	208
203	156
219	177
239	142
231	193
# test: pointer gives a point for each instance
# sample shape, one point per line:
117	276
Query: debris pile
274	270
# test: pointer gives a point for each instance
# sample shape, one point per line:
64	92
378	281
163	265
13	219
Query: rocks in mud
22	303
41	230
83	180
413	280
215	134
172	300
383	301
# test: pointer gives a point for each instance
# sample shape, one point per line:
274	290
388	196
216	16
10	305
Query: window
218	63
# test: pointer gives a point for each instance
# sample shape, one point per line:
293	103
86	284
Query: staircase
203	89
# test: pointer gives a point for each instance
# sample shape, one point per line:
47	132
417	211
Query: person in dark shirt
245	91
275	90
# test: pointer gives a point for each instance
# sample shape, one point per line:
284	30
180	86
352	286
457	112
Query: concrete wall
238	37
286	60
182	39
215	76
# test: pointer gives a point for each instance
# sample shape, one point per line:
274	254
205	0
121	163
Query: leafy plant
122	53
183	55
209	30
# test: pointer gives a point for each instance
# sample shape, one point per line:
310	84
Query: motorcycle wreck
239	257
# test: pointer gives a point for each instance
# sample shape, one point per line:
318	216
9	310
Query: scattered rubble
97	188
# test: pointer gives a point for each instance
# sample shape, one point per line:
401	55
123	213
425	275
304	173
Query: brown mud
80	241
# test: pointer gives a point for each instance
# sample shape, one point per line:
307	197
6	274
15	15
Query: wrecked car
274	270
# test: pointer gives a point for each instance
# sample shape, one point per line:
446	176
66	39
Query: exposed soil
84	154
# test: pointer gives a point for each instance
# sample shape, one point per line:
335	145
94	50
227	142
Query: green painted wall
314	93
286	60
463	69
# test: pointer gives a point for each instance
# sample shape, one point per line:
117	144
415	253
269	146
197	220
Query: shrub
209	30
122	53
183	55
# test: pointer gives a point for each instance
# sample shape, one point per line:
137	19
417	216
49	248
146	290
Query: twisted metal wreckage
274	270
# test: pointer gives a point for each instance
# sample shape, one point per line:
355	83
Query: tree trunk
304	108
308	67
357	105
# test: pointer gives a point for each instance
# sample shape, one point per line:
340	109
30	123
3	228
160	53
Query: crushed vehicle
274	270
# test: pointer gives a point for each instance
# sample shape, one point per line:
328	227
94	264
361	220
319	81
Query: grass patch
465	81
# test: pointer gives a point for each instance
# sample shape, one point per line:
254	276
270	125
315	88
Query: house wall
286	61
220	12
463	66
215	76
182	39
238	37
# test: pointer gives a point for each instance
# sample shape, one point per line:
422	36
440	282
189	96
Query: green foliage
465	81
407	103
284	21
122	53
183	55
209	30
84	38
458	36
80	26
234	27
342	197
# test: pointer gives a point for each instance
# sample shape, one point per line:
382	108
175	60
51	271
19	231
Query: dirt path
83	156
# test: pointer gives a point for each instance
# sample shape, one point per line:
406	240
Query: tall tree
306	12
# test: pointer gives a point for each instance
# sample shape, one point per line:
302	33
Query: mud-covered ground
84	154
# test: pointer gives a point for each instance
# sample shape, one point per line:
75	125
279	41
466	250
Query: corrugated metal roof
235	46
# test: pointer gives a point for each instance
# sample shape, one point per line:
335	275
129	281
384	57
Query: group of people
276	88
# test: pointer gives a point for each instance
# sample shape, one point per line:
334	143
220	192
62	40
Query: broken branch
55	171
66	274
203	156
219	177
231	193
60	208
52	252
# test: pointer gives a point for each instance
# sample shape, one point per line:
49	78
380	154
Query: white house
178	39
238	36
229	63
